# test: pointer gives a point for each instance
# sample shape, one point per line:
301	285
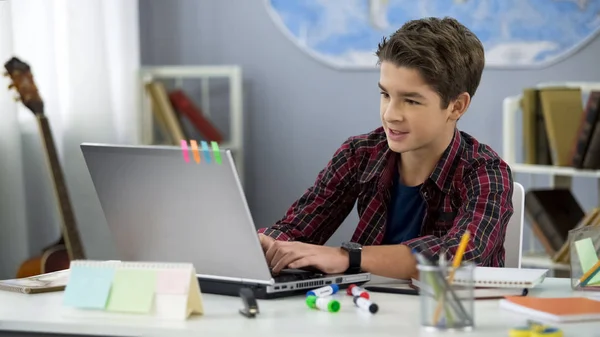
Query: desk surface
398	316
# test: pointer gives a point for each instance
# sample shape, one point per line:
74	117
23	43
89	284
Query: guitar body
53	259
59	255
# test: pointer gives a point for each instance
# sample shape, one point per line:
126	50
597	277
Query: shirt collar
382	164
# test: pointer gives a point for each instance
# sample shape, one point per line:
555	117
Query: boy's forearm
394	261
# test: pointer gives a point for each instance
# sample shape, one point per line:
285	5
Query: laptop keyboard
290	275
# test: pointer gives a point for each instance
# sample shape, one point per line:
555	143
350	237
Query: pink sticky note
173	281
184	149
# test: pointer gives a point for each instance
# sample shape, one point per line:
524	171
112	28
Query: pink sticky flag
184	149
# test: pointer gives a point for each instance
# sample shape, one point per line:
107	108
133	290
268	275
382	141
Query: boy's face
410	111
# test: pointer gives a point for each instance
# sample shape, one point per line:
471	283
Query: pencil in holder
584	250
446	297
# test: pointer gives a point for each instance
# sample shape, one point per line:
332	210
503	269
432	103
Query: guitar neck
69	225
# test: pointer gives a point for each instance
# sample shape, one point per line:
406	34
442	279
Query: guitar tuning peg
10	86
17	99
5	74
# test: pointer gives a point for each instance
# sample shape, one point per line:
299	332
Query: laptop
161	207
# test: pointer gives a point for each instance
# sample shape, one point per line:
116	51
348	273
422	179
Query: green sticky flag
216	152
587	257
132	291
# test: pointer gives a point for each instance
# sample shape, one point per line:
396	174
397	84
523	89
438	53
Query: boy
418	182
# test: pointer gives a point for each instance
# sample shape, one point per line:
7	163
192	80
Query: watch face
352	246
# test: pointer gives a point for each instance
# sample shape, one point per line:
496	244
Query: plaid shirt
470	188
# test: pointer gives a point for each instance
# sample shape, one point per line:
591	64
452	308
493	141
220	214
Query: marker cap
333	306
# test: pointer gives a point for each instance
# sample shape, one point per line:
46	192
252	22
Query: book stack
558	130
178	117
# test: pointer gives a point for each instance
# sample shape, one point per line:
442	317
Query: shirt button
426	195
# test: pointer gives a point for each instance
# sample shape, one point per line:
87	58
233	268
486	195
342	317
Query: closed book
586	129
55	281
563	110
554	212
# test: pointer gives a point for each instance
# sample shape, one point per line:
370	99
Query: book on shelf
535	139
591	129
558	130
552	213
186	107
177	117
164	114
562	110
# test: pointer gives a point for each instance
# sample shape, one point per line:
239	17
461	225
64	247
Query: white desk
398	316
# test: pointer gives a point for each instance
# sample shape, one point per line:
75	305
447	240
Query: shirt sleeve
318	213
486	210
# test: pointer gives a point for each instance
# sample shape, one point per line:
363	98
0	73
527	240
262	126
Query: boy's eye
411	102
385	94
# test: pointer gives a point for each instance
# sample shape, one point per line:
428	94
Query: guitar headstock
22	81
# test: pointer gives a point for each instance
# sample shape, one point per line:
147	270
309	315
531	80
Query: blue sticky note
206	151
88	287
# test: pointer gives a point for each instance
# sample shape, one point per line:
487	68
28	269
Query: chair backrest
513	243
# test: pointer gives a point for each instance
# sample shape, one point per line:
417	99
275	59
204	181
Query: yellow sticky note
587	257
132	291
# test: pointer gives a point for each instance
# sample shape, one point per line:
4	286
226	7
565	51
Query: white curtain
84	57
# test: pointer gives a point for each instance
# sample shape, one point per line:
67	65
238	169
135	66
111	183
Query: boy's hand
265	241
284	254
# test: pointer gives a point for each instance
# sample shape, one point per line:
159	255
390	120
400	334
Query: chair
513	243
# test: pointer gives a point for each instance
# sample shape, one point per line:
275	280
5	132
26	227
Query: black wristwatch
354	255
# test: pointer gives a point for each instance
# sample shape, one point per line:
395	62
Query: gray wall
298	111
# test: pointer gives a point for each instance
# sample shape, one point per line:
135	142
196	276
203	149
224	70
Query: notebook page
504	277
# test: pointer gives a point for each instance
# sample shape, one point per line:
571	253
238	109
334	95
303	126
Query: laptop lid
160	207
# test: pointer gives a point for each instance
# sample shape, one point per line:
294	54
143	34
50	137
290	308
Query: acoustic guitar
68	248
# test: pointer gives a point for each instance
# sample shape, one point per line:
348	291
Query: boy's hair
449	57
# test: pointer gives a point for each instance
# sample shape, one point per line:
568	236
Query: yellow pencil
455	264
461	250
590	273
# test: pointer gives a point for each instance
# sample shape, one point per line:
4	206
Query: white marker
365	304
324	291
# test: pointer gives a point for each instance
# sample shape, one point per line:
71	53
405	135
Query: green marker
323	303
216	152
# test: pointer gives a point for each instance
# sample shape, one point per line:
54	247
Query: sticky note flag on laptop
194	145
216	152
163	290
89	286
184	151
587	258
206	151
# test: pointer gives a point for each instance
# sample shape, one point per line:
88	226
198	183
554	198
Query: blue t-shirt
406	212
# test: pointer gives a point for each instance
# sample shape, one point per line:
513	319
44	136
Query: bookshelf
559	176
232	73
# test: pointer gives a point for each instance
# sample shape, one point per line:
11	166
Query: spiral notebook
492	277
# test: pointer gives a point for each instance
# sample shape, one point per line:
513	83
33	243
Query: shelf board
554	170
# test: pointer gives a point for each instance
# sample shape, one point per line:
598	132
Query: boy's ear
459	106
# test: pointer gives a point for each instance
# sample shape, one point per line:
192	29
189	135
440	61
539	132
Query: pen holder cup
584	250
446	297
